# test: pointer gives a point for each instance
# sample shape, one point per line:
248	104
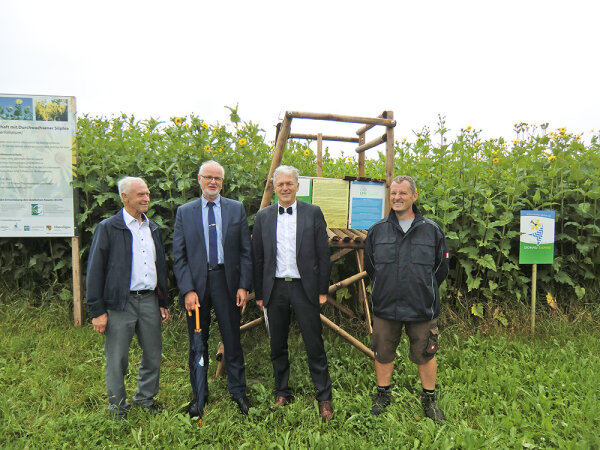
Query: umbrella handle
197	311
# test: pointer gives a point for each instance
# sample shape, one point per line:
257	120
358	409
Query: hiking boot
381	400
431	409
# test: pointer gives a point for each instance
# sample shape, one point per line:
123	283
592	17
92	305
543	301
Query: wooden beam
77	311
362	290
340	118
276	162
313	137
348	337
340	254
373	143
361	156
365	128
389	160
347	282
349	244
332	301
319	155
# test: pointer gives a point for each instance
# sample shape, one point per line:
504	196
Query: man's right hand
100	323
260	304
191	301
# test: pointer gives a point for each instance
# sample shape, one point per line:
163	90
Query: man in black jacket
126	292
407	259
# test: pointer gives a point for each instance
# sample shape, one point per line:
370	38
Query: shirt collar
128	218
217	201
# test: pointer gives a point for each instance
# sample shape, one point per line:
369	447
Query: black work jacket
406	269
108	275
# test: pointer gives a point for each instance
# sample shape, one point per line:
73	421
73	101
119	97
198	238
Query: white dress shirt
286	244
143	253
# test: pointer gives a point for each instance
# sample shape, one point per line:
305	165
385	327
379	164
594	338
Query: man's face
286	189
211	181
402	197
137	199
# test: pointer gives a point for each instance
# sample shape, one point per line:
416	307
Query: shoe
431	408
193	410
381	400
153	409
118	416
244	404
326	410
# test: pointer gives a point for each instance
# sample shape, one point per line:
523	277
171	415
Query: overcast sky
480	63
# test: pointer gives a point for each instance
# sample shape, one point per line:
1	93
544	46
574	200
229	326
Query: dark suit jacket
109	266
312	251
190	263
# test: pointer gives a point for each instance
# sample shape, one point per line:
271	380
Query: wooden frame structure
345	241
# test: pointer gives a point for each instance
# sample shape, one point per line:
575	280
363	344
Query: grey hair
124	184
286	170
400	178
211	162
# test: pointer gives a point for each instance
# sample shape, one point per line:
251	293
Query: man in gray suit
291	269
213	266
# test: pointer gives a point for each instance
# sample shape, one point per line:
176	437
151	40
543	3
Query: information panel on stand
37	141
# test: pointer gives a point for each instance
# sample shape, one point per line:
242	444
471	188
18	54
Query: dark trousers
284	295
228	318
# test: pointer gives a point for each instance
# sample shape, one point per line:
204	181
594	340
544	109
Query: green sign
537	237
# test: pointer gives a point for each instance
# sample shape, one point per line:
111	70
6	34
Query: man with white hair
127	294
291	270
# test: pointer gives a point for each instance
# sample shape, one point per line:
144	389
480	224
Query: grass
496	390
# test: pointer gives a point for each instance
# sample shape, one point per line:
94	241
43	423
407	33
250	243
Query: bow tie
285	210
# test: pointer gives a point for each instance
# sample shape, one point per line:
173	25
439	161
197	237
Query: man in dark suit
291	269
213	266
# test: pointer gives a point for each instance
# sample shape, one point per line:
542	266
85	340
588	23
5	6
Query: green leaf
580	292
487	261
563	278
477	310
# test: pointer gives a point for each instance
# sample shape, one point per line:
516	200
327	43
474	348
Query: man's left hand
164	313
241	297
322	299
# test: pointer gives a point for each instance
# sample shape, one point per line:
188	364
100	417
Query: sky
478	63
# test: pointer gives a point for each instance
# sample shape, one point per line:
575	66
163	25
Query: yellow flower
551	301
494	152
495	160
477	144
516	142
306	153
404	140
469	128
578	138
349	159
562	130
551	158
187	126
178	120
18	101
207	148
221	149
204	125
242	142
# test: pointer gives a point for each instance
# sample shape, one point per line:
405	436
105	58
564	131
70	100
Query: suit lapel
200	228
273	223
300	220
224	219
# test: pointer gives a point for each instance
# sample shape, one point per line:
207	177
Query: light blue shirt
217	210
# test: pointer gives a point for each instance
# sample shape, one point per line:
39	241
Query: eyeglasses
217	179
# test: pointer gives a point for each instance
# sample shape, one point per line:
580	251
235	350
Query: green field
497	391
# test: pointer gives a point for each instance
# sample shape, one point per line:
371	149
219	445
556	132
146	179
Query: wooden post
77	311
277	156
361	156
389	159
362	289
348	337
533	295
319	155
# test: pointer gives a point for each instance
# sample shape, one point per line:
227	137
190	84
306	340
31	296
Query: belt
141	292
217	267
288	279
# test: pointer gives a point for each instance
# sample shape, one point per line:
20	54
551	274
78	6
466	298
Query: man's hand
260	304
164	313
100	323
322	299
241	297
191	301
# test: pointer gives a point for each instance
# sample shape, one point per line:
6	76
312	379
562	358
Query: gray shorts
423	337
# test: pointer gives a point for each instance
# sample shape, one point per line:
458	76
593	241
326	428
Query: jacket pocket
422	252
385	251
